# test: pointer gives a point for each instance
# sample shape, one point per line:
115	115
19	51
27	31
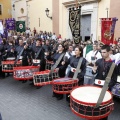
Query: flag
20	26
10	24
107	30
74	23
1	28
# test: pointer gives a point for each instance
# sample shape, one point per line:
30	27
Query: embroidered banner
107	30
20	26
10	24
74	23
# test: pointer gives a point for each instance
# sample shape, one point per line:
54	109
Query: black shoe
31	83
38	87
60	98
24	81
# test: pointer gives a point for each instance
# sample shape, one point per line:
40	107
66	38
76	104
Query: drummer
73	62
60	68
9	52
40	60
2	74
25	57
101	69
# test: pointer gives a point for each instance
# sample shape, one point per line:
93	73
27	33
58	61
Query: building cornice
73	3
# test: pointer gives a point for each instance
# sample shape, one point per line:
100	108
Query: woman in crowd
60	67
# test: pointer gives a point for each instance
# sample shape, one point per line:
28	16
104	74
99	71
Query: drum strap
78	68
38	53
18	56
105	86
57	62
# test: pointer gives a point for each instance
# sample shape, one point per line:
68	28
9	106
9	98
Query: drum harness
18	56
57	62
105	86
38	53
78	68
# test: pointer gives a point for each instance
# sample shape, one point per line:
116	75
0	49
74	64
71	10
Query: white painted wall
36	10
102	13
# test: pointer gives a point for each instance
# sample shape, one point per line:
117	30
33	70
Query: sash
78	68
18	56
38	53
105	87
57	62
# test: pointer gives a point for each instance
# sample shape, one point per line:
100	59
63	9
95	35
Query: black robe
25	55
73	62
103	68
41	56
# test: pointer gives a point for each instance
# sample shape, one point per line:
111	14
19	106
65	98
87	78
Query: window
0	9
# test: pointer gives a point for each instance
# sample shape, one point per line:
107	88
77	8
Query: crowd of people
47	46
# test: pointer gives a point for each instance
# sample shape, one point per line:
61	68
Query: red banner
106	36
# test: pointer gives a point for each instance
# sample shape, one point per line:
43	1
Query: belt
99	82
36	61
20	57
74	69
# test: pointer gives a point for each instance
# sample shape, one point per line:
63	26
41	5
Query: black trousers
106	118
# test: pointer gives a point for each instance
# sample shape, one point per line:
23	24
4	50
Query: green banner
20	26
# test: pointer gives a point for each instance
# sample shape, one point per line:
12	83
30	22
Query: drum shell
24	72
44	78
64	87
7	66
88	110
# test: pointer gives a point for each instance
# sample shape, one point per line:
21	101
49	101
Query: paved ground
20	101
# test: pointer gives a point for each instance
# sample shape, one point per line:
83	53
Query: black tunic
9	53
73	62
62	68
103	68
35	50
25	55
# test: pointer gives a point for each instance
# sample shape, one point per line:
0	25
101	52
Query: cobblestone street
20	101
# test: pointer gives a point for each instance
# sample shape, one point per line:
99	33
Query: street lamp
13	6
47	13
107	12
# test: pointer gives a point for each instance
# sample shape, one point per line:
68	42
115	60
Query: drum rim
90	117
76	80
9	62
25	67
41	72
85	103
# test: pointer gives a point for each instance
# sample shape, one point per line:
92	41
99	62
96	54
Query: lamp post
107	12
13	6
47	13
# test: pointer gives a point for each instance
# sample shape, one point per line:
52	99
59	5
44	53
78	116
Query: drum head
89	94
62	79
